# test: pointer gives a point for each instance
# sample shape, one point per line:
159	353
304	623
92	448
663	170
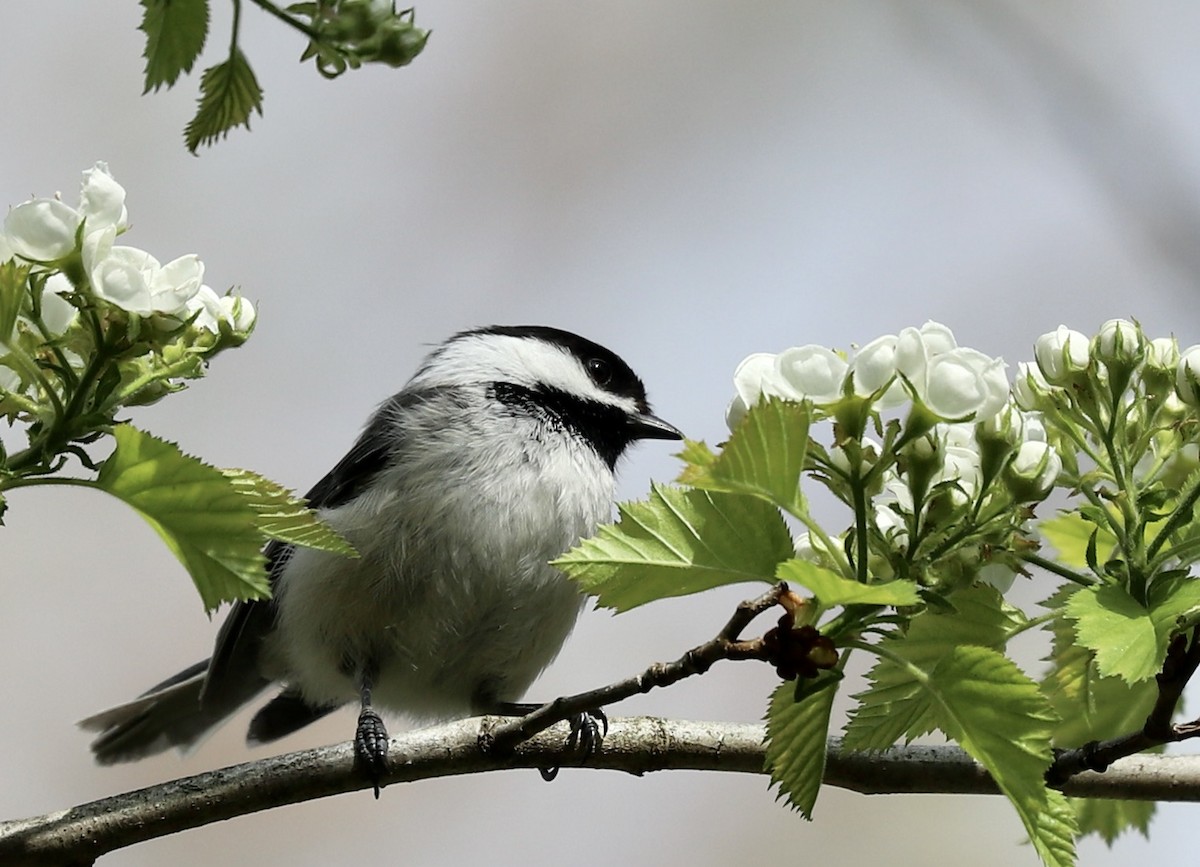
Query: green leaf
1092	707
228	94
175	33
896	705
1108	818
796	736
197	511
1128	639
1118	630
997	714
764	457
679	542
1069	535
283	516
832	589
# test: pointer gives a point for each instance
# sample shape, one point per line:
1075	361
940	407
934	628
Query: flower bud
1030	388
1162	353
1033	471
1119	342
1061	354
1187	376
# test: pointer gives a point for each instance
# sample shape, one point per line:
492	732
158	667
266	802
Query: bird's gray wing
233	671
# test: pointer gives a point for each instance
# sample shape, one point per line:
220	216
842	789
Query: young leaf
196	510
896	705
175	33
285	517
996	713
796	737
1069	535
229	92
1118	630
679	542
832	589
763	458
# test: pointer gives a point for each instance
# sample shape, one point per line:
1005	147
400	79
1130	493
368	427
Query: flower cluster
930	450
88	325
1123	406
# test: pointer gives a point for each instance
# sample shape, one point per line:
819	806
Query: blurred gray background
686	182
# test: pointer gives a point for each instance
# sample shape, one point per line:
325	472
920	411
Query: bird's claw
371	745
588	730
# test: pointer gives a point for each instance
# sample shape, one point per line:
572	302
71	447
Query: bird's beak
644	426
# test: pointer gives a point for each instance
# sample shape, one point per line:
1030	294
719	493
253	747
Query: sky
683	182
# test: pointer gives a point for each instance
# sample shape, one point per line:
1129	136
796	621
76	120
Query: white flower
1187	376
207	305
964	383
41	230
134	280
1061	353
812	372
754	376
937	338
1119	340
868	456
44	230
735	412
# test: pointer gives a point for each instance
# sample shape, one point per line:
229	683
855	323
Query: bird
498	455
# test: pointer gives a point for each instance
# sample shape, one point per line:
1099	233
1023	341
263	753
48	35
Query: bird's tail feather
170	714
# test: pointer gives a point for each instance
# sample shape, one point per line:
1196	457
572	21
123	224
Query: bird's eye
600	371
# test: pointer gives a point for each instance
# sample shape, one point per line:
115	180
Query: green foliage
831	589
679	542
197	510
764	457
797	731
282	516
343	34
229	93
175	34
898	704
1071	534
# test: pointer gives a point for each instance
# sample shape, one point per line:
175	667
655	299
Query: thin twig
726	645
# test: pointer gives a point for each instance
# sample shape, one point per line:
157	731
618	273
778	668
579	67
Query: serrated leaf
998	715
679	542
1069	534
229	93
797	732
283	516
895	705
764	456
1093	708
1109	818
1118	630
175	34
832	589
196	510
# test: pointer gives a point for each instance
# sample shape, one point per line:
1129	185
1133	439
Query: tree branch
637	745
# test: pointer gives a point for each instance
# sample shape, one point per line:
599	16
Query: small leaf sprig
89	328
342	34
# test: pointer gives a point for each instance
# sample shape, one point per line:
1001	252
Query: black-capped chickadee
495	458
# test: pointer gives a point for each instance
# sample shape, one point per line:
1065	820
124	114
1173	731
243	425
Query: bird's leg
371	736
588	729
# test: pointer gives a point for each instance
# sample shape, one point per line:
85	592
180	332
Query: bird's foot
587	734
371	745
